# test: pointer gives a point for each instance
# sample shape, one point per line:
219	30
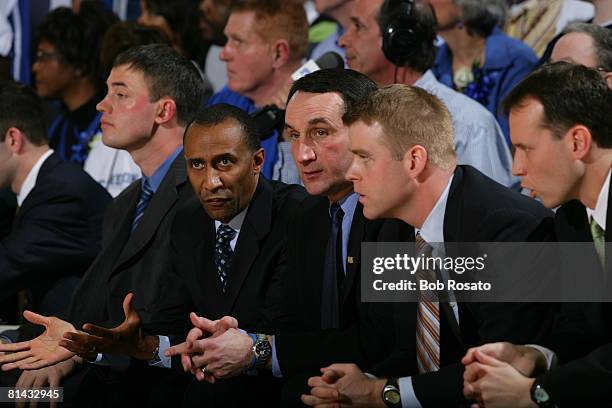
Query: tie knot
596	229
225	233
336	213
146	189
422	246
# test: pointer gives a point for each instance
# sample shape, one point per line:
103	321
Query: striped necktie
145	197
428	317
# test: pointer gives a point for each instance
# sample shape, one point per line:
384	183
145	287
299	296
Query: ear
581	140
14	140
608	78
280	53
415	161
258	161
166	110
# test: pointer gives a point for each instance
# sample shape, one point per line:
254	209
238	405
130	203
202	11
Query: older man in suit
561	127
56	232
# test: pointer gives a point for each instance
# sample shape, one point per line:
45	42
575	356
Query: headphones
401	37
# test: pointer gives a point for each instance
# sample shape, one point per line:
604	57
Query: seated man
228	254
404	166
57	230
561	127
153	94
267	41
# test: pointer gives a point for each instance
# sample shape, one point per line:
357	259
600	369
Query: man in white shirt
561	128
57	229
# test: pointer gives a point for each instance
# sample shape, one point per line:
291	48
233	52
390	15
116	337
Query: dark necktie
224	253
146	194
333	272
428	317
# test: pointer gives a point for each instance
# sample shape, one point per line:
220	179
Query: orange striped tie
428	318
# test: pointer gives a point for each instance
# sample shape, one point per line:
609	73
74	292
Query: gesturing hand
127	338
40	352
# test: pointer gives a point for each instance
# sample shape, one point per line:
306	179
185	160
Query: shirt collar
158	176
599	213
30	181
236	222
427	81
348	205
432	230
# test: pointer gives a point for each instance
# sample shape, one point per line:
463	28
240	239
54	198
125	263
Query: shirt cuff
409	398
161	360
100	360
276	370
551	357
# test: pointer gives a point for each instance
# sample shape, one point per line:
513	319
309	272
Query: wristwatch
262	350
540	396
391	394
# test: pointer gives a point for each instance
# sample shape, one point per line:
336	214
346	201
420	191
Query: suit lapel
255	227
353	249
203	252
314	249
164	198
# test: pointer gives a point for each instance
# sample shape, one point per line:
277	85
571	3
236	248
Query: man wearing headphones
393	42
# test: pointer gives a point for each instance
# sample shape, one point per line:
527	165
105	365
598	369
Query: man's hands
48	376
497	374
216	345
126	339
344	385
40	352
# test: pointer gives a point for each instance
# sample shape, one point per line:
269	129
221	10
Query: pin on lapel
350	260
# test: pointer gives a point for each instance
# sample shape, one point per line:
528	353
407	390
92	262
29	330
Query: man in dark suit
561	128
236	209
405	167
56	232
153	94
322	279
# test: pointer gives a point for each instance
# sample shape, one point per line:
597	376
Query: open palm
40	352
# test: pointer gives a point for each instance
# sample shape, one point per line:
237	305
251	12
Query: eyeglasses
45	55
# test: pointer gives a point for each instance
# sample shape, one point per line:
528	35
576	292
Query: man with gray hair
586	44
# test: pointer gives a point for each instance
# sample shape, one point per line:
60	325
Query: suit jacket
129	262
306	347
56	232
583	332
477	210
254	287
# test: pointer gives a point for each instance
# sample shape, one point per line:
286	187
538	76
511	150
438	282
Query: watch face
393	396
262	349
541	395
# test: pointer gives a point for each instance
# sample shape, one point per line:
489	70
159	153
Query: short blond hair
279	19
410	116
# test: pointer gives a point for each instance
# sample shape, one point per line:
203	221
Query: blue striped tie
145	197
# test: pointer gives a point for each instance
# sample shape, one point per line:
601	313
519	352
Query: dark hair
602	40
77	37
571	95
222	112
22	108
182	18
482	16
124	35
425	25
167	73
352	86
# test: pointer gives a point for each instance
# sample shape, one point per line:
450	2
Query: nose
352	173
343	41
303	153
212	181
518	164
225	53
103	105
